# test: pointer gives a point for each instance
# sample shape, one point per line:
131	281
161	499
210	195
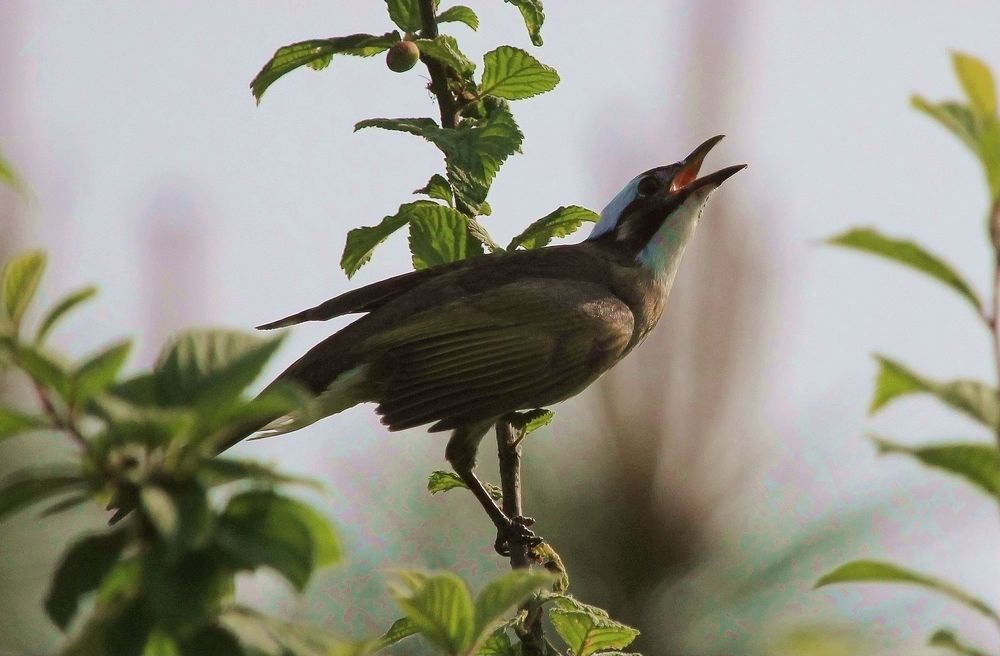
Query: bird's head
653	217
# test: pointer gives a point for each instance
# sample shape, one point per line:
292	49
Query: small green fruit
402	56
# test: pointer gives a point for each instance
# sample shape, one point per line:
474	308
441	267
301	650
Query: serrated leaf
400	629
439	235
437	187
533	15
405	14
459	14
19	281
561	222
473	152
440	607
948	639
977	463
81	570
872	571
99	371
478	232
498	644
13	422
956	118
30	486
908	254
550	559
973	398
513	74
361	242
502	594
977	81
261	528
444	49
442	481
317	54
210	368
60	309
587	633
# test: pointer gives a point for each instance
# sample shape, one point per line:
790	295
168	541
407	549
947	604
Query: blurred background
698	490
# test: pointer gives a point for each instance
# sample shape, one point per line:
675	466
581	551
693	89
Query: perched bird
461	345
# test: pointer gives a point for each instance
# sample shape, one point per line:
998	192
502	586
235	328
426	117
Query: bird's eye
649	186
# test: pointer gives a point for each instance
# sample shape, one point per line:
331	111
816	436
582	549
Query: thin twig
509	451
994	321
62	423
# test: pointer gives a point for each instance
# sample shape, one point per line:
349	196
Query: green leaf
865	571
13	422
98	372
30	486
560	222
184	591
948	639
361	242
442	481
405	14
210	368
437	187
180	514
444	49
473	152
502	594
908	254
60	309
10	177
43	369
977	463
261	528
973	398
478	232
401	628
82	569
533	15
440	607
956	118
439	235
513	74
220	471
262	634
588	630
459	14
977	81
989	153
498	644
317	54
161	643
19	281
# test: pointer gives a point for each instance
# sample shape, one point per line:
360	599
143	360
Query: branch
63	423
509	451
439	73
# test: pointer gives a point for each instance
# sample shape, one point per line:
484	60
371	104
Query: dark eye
649	186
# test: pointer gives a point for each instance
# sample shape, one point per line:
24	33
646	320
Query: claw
517	532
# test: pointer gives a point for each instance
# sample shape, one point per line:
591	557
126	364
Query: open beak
687	177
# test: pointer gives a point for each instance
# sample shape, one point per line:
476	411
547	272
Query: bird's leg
461	453
508	449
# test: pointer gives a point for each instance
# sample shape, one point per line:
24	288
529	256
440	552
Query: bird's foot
516	532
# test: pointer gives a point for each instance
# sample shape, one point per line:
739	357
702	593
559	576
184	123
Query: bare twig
509	451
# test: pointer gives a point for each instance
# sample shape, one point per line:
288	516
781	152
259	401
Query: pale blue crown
613	211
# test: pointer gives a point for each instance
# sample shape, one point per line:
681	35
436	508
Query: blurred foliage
976	123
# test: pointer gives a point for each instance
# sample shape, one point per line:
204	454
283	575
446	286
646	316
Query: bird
461	345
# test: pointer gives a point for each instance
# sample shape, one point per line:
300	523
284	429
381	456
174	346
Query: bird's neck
661	255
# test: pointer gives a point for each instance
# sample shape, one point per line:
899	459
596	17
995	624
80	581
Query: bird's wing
364	299
519	345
